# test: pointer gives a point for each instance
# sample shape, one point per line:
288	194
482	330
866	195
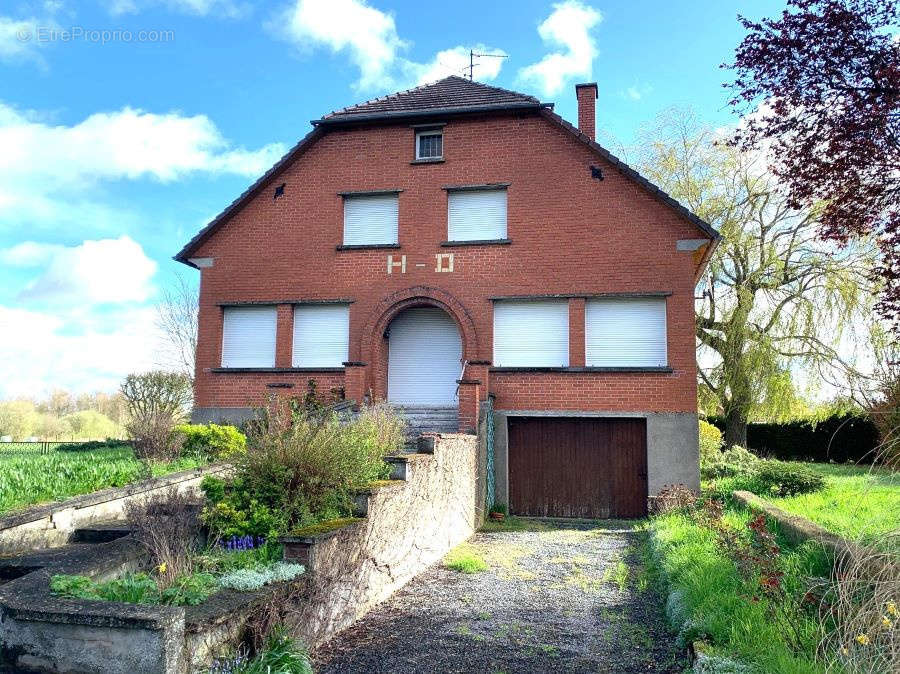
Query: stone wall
409	524
52	524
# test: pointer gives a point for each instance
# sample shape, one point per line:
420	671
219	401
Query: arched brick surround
373	349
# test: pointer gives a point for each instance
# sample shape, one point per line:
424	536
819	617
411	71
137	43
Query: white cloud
221	8
17	39
47	172
369	37
568	27
94	272
41	351
636	92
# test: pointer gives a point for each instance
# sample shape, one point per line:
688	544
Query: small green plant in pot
498	512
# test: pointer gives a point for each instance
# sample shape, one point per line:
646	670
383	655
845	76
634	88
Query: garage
577	467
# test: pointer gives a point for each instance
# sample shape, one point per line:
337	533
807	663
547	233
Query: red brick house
458	241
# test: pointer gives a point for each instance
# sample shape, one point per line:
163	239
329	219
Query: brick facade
570	234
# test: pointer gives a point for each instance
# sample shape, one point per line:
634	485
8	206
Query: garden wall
51	525
434	501
408	525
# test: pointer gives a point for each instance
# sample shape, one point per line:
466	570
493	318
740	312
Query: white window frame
506	356
337	347
429	132
626	332
265	314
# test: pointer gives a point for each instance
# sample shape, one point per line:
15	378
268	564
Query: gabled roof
450	96
451	93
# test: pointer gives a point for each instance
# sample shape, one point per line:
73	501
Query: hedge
841	439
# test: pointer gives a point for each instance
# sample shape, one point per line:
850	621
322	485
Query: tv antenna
473	55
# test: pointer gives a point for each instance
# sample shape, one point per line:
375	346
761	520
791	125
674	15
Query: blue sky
125	125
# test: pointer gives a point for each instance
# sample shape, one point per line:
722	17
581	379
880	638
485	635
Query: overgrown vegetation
279	655
137	588
300	468
210	442
733	585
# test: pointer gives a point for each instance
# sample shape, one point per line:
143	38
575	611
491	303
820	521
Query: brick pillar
576	332
587	115
284	336
355	381
468	404
480	370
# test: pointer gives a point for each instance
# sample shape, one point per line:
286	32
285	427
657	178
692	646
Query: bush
775	478
167	527
157	402
300	468
710	443
732	462
136	588
91	445
247	580
211	441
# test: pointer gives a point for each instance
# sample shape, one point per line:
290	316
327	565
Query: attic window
430	144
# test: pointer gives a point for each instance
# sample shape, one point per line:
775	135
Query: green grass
29	479
465	559
709	600
857	502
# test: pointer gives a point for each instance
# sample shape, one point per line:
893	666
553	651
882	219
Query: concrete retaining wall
51	525
409	524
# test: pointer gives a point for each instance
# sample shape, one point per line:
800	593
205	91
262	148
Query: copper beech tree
819	86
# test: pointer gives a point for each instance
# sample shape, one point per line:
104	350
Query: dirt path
557	597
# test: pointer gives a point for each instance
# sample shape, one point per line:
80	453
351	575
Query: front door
424	358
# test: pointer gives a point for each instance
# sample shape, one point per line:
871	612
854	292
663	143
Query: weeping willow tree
777	306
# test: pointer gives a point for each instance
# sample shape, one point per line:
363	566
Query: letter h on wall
391	264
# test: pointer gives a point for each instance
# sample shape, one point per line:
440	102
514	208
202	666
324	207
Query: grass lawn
857	502
28	479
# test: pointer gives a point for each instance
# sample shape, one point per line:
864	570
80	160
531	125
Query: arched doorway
424	360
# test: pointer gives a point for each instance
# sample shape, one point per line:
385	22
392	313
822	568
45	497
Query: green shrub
137	588
279	655
501	508
774	478
300	468
710	443
732	462
211	441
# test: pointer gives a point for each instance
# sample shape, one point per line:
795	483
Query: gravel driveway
557	596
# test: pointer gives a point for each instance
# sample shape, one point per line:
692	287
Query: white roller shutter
370	219
531	333
424	358
476	215
248	336
321	335
627	332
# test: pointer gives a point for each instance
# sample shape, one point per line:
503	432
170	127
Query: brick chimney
586	95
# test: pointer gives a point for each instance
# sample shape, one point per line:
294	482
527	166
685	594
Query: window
531	333
625	332
248	336
476	215
321	335
430	144
370	220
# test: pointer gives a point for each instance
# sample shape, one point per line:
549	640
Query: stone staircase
429	419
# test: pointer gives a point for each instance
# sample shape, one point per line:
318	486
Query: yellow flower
892	608
887	624
844	651
161	568
863	639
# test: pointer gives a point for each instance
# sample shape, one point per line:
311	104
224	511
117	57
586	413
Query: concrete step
101	532
429	419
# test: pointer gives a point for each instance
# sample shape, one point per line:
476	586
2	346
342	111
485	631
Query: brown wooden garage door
563	467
